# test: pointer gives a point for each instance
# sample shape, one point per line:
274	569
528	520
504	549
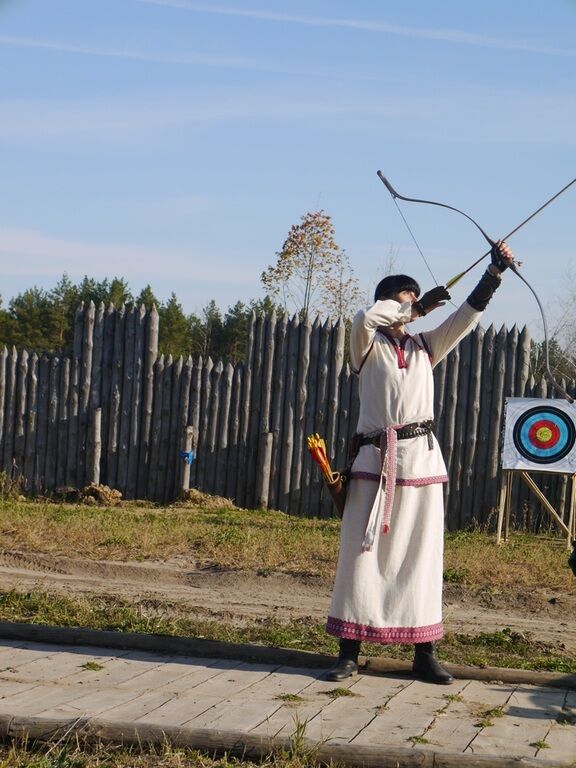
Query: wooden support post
538	493
571	516
504	505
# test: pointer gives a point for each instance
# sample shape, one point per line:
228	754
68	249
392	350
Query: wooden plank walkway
370	719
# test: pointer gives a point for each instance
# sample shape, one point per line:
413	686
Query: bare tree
312	273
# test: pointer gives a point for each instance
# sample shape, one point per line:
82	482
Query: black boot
426	666
347	663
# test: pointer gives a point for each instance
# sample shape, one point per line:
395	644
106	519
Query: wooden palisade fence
118	413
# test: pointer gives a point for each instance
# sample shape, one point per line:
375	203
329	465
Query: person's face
403	296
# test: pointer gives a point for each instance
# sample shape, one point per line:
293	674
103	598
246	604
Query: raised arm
446	336
383	313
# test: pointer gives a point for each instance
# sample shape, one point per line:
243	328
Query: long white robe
392	592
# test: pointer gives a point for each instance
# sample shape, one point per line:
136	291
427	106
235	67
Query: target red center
544	434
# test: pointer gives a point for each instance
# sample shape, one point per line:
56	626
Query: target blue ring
536	449
535	453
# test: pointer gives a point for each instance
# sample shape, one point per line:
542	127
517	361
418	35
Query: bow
492	243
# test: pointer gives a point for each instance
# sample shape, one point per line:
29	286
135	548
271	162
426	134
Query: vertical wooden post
310	475
450	402
263	480
187	446
301	391
288	423
116	374
63	406
182	423
201	455
211	445
234	432
174	434
480	508
31	422
256	395
20	420
277	408
97	358
126	392
3	359
165	428
323	506
9	409
94	448
71	466
155	432
52	426
84	394
42	421
151	355
222	462
496	418
245	414
109	322
135	432
194	411
469	448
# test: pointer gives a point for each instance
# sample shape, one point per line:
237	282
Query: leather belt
404	432
386	439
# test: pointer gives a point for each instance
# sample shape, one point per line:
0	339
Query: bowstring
417	244
415	241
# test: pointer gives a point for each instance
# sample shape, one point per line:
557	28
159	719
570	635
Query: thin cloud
199	59
139	119
29	253
144	120
445	35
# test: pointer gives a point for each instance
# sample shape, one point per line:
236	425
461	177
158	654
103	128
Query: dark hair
395	284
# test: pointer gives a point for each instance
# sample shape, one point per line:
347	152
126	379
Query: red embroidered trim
400	352
423	480
399	481
385	635
400	347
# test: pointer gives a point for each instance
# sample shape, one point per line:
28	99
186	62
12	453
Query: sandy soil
241	596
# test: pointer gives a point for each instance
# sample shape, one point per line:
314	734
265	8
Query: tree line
311	274
42	320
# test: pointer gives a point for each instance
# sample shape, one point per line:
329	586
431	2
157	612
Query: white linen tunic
391	591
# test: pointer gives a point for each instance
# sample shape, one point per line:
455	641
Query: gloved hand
501	256
432	299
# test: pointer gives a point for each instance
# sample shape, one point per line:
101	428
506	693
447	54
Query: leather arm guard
483	292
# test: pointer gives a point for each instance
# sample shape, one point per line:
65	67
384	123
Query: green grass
540	744
92	666
262	541
290	698
338	693
228	538
76	754
499	649
488	716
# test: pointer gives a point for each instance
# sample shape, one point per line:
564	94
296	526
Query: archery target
539	435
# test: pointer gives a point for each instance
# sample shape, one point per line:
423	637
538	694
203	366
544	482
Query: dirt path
241	596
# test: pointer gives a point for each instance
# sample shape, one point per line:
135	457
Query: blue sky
175	143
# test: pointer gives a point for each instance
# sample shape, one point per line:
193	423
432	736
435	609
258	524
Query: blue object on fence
188	456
